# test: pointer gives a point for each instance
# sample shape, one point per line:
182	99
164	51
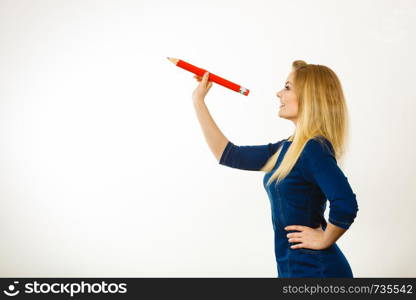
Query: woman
301	171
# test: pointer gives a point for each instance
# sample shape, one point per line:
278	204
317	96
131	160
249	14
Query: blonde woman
301	172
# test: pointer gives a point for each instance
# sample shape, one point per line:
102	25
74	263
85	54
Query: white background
104	170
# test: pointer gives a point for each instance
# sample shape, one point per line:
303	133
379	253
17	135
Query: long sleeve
320	167
251	158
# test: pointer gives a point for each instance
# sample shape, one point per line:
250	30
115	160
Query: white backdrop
104	170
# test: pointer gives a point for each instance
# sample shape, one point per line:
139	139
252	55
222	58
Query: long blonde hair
322	111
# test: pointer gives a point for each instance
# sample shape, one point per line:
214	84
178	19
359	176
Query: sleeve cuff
224	154
343	225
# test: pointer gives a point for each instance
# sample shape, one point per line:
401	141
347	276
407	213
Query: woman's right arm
213	135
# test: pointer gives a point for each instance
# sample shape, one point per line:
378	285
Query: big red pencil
212	77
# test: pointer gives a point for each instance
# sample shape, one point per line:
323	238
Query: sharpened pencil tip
173	60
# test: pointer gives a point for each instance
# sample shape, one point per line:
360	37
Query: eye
286	87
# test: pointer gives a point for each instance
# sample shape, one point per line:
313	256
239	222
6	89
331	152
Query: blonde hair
322	112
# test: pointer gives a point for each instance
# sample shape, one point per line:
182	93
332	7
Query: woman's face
288	100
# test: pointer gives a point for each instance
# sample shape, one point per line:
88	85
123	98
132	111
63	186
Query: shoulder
317	147
274	146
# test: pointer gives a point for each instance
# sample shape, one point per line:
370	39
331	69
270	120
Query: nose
278	94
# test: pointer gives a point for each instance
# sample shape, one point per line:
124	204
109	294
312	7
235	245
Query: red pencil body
212	77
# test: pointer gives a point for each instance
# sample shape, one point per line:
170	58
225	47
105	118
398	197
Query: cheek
291	107
293	102
294	105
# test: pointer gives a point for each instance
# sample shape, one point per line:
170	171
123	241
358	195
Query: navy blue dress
300	199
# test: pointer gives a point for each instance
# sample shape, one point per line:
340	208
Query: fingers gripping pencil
212	77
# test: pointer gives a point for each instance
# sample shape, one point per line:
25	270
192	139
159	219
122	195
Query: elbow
344	216
222	156
345	223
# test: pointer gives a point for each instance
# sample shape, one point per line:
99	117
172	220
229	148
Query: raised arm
213	135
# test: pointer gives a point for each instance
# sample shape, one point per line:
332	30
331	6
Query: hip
305	262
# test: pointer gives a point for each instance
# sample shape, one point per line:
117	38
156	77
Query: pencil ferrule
242	90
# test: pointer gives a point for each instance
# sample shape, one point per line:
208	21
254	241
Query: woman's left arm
320	167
